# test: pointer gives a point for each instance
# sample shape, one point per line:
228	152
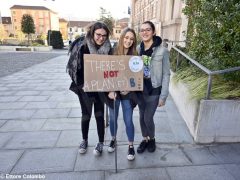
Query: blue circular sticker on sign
135	63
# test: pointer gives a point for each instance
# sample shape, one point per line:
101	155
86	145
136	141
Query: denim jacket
160	69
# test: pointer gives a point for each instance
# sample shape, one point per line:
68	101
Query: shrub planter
24	49
208	121
43	48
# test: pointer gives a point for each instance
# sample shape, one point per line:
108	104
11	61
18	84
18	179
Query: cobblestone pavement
11	62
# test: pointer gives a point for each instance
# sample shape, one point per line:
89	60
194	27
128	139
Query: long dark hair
120	48
94	27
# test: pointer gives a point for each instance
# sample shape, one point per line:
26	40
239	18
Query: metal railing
204	69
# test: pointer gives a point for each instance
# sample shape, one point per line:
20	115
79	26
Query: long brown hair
120	48
94	27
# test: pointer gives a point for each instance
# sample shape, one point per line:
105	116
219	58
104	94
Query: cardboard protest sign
106	73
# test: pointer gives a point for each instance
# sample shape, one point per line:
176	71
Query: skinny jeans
127	117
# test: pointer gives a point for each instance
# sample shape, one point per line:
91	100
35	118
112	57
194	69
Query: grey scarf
104	49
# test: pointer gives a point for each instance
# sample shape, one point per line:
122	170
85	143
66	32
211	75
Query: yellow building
44	19
63	25
118	27
6	27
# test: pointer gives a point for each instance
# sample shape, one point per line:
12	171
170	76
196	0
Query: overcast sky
73	9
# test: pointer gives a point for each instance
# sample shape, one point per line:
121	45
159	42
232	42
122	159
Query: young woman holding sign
126	46
156	83
95	42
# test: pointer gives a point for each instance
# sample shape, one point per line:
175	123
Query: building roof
62	20
29	7
79	23
6	20
124	20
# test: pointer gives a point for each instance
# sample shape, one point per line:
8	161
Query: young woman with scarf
95	42
156	83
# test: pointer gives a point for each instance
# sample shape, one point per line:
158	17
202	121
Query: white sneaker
131	153
83	147
112	145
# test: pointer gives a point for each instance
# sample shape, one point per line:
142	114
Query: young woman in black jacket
95	42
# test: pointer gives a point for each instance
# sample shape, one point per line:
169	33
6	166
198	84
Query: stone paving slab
2	122
207	172
16	114
12	105
20	125
52	92
138	174
236	147
4	138
3	88
63	124
27	93
61	98
94	175
73	138
24	140
46	161
69	104
162	125
200	155
75	113
41	105
34	98
177	123
226	153
8	159
166	157
9	98
233	169
165	138
51	113
7	93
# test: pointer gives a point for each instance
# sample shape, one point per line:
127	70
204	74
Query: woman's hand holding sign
124	92
112	95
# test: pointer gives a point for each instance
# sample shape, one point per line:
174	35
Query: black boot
142	146
151	145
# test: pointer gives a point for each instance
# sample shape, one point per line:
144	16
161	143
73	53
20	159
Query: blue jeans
127	117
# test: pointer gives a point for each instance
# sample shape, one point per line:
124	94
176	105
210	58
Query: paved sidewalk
40	133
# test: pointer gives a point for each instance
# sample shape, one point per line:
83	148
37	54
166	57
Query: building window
154	10
70	29
40	14
172	12
15	27
14	12
15	20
